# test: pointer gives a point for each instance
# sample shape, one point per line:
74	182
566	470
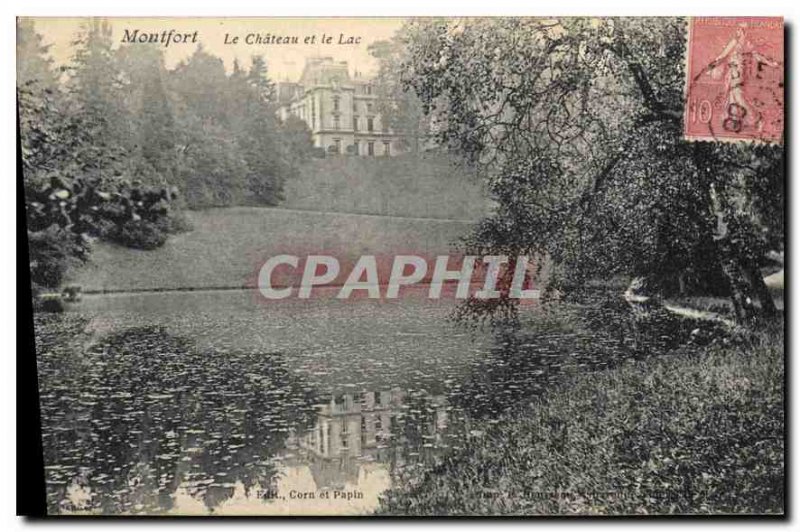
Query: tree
33	63
73	176
576	125
232	147
258	131
68	201
211	169
153	150
398	106
95	91
258	79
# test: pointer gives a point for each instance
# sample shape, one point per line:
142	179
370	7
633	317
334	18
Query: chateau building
340	110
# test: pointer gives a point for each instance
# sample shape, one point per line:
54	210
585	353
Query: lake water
214	402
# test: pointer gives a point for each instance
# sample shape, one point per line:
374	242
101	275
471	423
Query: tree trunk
743	307
746	285
745	281
756	282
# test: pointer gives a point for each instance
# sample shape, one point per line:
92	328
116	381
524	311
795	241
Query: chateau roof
324	71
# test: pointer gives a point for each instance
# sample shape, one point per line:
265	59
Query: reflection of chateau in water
355	429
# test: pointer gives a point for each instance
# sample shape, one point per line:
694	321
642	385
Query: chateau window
387	148
371	148
328	438
370	124
335	122
369	107
336	103
338	144
344	434
355	152
367	89
363	430
355	123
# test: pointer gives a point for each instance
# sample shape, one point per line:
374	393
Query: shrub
140	234
50	253
48	303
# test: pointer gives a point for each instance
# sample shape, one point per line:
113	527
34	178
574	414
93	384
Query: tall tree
576	124
399	106
33	62
260	136
211	169
258	78
201	83
95	93
152	157
73	162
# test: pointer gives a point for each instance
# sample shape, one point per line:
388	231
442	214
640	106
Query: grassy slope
428	186
694	432
429	203
227	246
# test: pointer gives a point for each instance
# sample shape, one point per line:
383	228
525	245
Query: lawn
226	247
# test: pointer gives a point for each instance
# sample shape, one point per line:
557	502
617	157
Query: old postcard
406	267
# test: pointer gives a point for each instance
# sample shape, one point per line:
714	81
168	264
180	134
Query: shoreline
677	433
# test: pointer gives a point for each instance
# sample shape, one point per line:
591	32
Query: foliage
697	432
33	63
400	107
75	187
113	142
232	147
576	125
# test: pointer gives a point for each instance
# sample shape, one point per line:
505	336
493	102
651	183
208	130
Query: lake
214	402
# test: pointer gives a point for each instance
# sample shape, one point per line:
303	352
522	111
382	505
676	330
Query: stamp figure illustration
734	86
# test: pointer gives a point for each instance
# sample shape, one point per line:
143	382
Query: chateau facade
340	110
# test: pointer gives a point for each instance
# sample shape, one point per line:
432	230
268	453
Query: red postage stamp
735	78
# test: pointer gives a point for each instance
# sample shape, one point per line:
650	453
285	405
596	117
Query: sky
285	61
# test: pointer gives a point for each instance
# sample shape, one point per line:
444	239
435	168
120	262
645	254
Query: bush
50	252
48	303
140	234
